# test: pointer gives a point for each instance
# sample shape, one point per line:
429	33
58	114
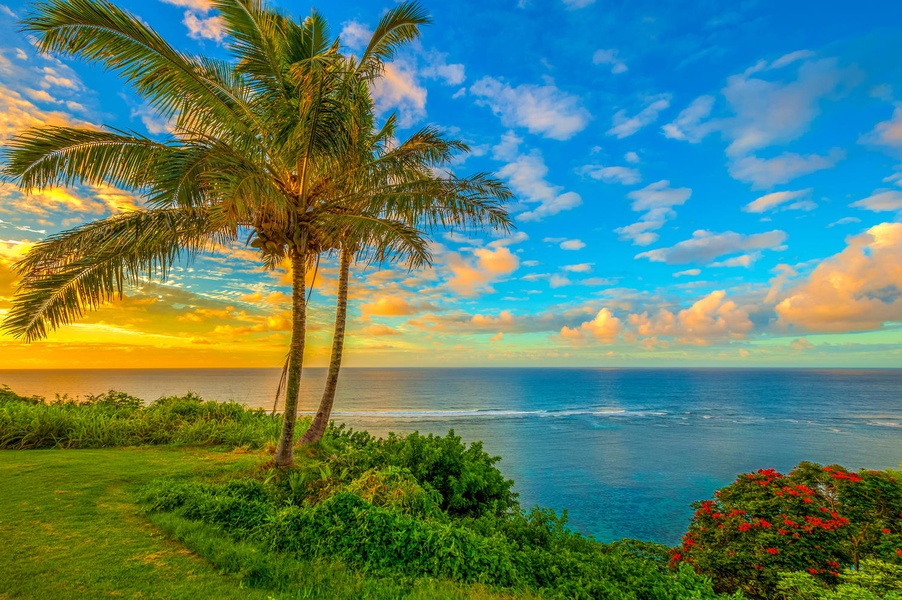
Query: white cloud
355	35
631	157
580	268
510	240
624	126
691	125
845	221
767	172
398	89
887	133
565	201
557	281
779	199
779	110
656	201
688	273
770	103
743	260
437	67
624	175
609	57
526	175
572	245
881	201
201	28
541	109
155	124
705	246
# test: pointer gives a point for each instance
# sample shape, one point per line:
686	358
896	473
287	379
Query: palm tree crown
278	148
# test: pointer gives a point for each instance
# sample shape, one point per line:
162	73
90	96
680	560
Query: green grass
69	528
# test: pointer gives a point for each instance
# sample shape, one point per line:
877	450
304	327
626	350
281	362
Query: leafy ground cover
70	528
191	505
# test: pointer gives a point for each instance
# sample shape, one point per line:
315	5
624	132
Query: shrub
465	477
393	487
815	520
874	580
118	419
518	550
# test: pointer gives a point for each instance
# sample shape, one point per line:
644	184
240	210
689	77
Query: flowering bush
816	519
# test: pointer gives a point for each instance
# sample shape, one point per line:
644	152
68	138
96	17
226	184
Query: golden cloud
392	306
858	289
604	327
710	318
472	278
378	329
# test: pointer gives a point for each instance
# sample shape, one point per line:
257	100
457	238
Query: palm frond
63	156
99	32
78	270
399	26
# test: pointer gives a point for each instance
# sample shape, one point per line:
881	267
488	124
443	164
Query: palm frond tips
63	156
99	32
81	269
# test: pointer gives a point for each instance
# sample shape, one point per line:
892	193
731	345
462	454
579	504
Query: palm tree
247	142
405	183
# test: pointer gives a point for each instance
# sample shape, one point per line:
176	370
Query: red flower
885	531
813	571
771	550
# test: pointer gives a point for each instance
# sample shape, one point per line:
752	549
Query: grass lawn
69	528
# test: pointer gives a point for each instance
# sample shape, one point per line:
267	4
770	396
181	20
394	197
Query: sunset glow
690	191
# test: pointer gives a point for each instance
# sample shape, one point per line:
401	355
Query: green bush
465	477
815	520
532	550
117	419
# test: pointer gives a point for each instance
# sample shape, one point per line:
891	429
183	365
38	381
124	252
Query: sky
698	183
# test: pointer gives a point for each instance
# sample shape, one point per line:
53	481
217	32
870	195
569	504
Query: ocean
624	451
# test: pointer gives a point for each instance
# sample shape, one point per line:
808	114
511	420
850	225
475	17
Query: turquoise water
624	450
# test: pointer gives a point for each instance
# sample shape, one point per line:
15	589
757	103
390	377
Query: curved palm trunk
284	456
321	420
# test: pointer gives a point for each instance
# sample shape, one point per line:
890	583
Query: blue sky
696	185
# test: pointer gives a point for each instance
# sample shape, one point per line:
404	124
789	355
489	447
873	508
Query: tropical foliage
376	506
117	419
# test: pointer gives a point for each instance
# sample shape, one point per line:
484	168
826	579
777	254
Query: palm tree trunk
321	420
284	456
